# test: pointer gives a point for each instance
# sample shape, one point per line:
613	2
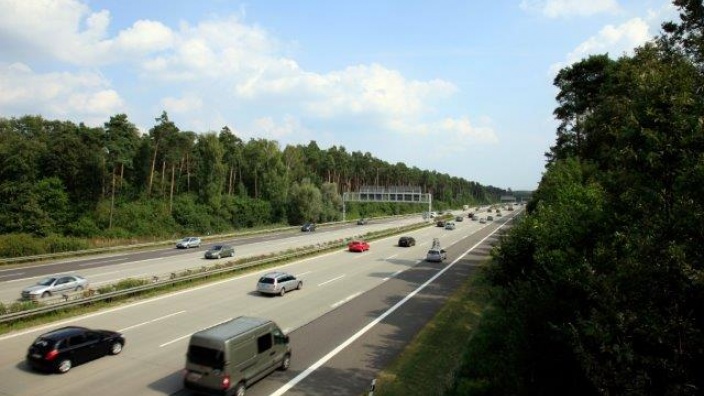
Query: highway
157	329
107	269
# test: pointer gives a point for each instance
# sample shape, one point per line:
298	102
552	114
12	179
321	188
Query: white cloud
184	104
566	8
233	62
615	40
458	133
267	127
145	36
80	96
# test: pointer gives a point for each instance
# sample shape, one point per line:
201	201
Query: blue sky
460	87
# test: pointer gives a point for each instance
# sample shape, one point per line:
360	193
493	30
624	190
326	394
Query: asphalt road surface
342	312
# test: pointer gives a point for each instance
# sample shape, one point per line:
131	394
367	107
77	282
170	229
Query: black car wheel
300	286
46	294
64	366
282	292
116	348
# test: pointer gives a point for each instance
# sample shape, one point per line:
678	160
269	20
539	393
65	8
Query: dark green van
226	358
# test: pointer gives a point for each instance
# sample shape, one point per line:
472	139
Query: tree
121	142
158	134
305	203
211	170
232	147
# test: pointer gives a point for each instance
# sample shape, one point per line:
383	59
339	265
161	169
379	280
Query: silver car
55	285
188	242
278	283
218	251
436	255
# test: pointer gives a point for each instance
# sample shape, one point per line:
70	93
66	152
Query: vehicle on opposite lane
308	227
218	251
188	242
61	349
53	285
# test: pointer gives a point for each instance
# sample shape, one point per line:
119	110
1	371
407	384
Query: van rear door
206	368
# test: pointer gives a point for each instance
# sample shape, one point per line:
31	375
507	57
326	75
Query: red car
358	246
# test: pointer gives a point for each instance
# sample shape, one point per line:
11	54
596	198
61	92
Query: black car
362	221
63	348
308	227
406	241
440	223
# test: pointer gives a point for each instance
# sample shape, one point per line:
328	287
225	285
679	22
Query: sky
458	87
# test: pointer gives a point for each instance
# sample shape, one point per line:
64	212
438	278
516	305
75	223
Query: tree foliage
599	288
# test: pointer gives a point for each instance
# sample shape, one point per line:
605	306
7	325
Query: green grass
428	364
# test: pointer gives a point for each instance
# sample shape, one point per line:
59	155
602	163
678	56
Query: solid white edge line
300	377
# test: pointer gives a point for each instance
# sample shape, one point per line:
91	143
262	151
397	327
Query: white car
436	255
188	242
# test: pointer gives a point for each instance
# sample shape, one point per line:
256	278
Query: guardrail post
372	387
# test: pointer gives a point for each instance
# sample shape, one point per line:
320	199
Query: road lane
108	269
157	329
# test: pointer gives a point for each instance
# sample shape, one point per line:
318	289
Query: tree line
599	289
67	179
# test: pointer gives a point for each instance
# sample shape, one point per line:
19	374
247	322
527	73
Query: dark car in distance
308	227
362	221
406	241
63	348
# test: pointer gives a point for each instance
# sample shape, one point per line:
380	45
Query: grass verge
427	366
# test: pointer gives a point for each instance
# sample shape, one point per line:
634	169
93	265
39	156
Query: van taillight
226	382
51	355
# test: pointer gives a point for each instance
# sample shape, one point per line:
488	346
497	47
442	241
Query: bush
57	243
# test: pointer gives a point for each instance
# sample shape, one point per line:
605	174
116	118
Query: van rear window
206	356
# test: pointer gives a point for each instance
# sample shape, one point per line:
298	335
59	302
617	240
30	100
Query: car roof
64	332
275	274
61	276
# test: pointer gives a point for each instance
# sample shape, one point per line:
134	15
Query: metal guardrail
86	297
68	300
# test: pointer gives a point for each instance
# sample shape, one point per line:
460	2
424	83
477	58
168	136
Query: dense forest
60	180
599	289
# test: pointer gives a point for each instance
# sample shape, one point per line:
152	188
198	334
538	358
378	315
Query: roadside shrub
18	245
83	227
56	243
